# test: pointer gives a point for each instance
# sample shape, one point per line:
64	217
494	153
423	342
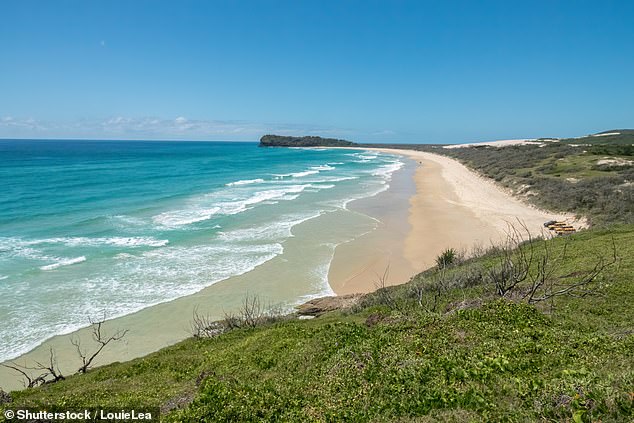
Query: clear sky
389	71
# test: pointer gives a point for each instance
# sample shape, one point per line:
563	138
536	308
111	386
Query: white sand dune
499	143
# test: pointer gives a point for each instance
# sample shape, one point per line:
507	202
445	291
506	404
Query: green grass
490	359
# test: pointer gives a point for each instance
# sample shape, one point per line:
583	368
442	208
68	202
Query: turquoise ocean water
88	226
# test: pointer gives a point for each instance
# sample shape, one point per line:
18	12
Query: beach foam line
95	242
64	262
304	173
184	217
245	182
323	167
275	231
8	249
336	179
383	187
313	170
18	243
387	170
322	186
201	212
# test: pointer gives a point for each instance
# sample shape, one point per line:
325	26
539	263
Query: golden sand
453	207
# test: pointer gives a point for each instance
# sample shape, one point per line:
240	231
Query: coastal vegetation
448	345
308	141
590	176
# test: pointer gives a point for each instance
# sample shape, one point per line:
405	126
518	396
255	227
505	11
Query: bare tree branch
100	339
514	261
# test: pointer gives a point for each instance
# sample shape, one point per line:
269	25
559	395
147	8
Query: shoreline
452	207
359	264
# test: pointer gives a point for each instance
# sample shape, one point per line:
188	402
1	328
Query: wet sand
359	265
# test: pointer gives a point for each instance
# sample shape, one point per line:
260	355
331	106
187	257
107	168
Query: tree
101	340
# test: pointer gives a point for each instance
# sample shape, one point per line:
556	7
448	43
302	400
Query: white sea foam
124	221
185	217
313	170
387	170
295	174
323	167
123	256
116	241
63	262
234	207
273	231
335	179
245	182
11	250
3	277
17	243
304	173
321	272
288	197
322	186
383	186
198	212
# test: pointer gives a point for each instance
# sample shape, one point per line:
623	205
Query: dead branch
29	381
51	368
515	259
550	287
203	326
45	373
252	313
385	295
100	339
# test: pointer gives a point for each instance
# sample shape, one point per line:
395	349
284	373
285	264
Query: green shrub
446	258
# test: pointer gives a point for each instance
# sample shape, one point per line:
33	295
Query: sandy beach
452	207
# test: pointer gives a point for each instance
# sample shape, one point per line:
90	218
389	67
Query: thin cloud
181	127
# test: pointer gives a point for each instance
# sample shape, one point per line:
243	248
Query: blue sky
377	71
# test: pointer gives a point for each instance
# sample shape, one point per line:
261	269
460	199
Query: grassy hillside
444	347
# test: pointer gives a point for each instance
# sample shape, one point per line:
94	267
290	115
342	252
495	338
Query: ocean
89	228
